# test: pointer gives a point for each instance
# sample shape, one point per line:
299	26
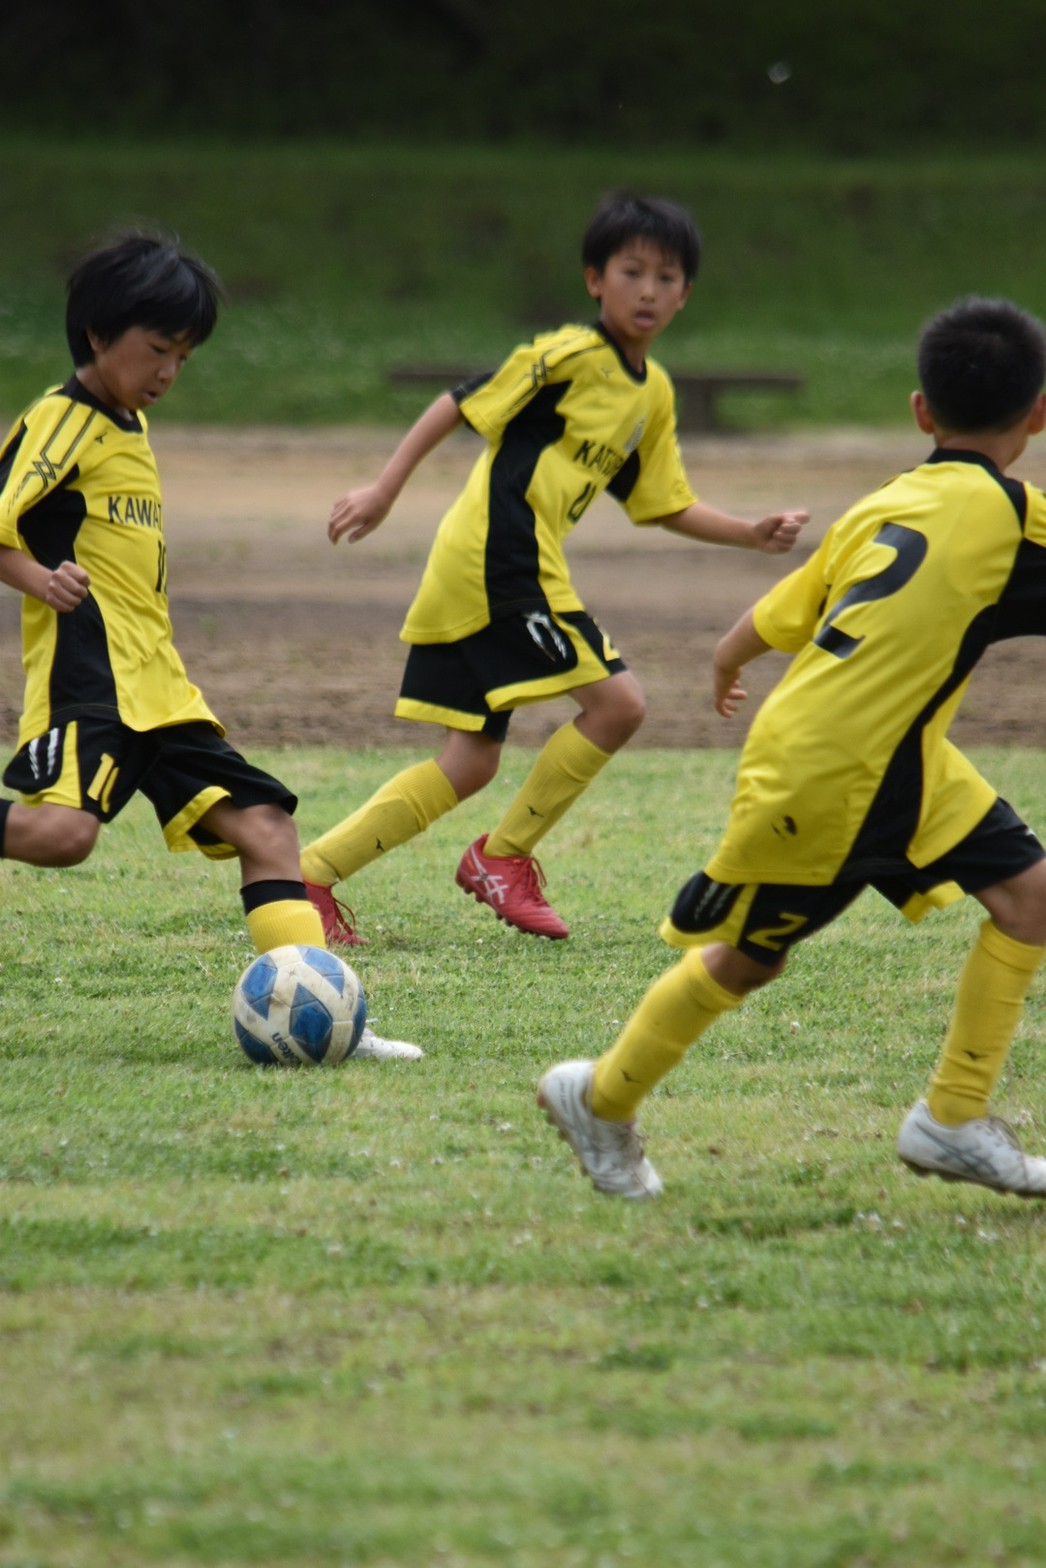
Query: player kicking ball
847	779
109	710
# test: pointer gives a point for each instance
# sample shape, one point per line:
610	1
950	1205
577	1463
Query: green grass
373	1315
344	259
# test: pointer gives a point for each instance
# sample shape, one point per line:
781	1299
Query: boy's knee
612	712
70	838
484	770
736	972
1018	906
468	762
631	709
270	827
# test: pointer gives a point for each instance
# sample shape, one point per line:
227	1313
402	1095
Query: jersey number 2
911	550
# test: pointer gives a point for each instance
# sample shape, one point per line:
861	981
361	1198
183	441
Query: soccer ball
298	1005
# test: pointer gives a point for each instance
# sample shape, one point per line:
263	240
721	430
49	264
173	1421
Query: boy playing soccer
847	779
496	621
109	709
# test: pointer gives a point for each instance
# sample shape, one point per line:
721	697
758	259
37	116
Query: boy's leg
499	869
989	1002
611	712
46	835
675	1012
951	1133
275	902
402	808
594	1104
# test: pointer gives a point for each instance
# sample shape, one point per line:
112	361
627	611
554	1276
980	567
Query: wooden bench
697	392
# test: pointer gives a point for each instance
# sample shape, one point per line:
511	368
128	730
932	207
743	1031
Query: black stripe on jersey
10	452
1021	610
624	481
511	568
50	527
81	674
893	816
466	388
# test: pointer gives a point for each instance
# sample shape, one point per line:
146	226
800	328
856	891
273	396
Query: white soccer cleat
611	1153
373	1048
985	1151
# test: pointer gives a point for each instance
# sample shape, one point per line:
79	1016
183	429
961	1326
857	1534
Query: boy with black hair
109	709
847	779
496	622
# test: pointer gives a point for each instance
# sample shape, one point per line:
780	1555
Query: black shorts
529	656
94	763
764	919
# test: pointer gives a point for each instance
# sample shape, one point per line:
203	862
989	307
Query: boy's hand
729	693
777	533
67	587
357	514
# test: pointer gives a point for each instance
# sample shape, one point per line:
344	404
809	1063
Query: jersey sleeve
489	402
653	484
787	616
46	447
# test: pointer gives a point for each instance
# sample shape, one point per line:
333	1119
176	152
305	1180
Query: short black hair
139	279
624	216
982	364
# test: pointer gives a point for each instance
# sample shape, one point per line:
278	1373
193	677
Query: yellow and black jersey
847	763
78	482
564	418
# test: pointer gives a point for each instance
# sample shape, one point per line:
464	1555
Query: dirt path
294	641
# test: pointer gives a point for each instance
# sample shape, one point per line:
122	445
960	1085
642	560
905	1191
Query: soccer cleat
985	1150
339	922
511	885
372	1048
611	1153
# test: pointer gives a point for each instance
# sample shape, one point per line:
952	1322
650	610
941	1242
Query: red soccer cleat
511	885
339	922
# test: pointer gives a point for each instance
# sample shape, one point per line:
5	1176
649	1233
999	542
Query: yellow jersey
78	482
847	762
565	418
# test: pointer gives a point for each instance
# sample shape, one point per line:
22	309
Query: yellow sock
563	769
988	1004
400	809
675	1011
285	922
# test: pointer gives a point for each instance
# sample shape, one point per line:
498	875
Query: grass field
342	260
374	1315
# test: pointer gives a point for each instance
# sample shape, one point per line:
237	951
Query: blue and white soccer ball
298	1005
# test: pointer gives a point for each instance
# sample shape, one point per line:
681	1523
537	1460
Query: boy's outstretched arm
741	644
775	534
61	589
358	513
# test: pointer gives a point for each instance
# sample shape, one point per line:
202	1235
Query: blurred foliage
854	79
342	261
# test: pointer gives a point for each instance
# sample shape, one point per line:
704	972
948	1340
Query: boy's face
639	291
136	369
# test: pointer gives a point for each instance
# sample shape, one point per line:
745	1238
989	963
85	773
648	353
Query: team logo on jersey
635	438
138	511
604	459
